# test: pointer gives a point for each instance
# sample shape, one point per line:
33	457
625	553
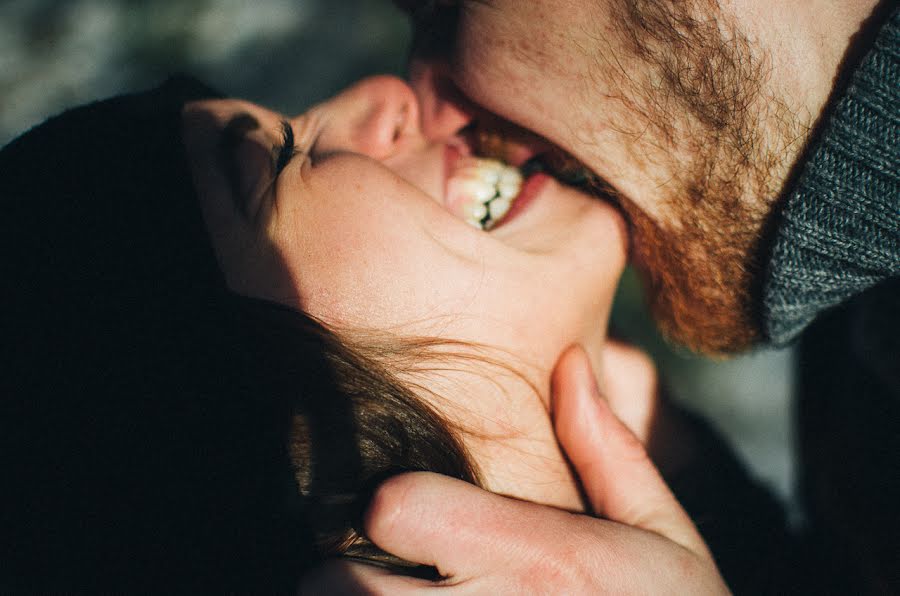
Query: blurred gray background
288	54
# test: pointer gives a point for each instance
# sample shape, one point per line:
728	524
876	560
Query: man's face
669	103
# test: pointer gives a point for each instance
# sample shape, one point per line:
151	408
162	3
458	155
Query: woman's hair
353	424
159	432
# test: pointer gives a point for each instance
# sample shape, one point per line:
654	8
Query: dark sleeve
848	414
741	521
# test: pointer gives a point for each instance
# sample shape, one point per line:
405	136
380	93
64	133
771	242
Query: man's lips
501	139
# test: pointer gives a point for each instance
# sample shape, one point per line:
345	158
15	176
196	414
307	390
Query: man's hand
484	543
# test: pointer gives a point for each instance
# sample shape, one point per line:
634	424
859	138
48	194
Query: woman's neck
505	425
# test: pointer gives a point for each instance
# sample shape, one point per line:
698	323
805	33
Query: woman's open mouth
486	192
481	191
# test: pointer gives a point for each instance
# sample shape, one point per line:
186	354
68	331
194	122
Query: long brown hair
354	423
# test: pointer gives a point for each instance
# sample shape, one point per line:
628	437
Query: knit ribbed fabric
840	232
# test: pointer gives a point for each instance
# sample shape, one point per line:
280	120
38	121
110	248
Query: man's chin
710	329
699	290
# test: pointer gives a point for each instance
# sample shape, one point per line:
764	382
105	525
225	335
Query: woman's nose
376	117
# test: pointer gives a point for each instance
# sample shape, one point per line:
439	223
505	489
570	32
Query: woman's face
365	225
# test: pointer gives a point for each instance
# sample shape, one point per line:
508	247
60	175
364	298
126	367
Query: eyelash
287	149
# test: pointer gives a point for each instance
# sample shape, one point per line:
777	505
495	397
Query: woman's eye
287	149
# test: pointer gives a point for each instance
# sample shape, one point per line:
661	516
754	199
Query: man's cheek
485	70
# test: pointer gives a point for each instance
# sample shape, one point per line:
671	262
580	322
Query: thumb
462	530
618	477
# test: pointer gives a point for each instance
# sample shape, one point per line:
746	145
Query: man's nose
445	111
376	117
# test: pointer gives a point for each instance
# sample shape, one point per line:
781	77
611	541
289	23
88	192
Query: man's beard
726	139
701	281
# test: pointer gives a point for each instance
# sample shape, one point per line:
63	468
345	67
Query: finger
347	578
618	476
452	525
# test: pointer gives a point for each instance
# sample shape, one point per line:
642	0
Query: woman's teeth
483	190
